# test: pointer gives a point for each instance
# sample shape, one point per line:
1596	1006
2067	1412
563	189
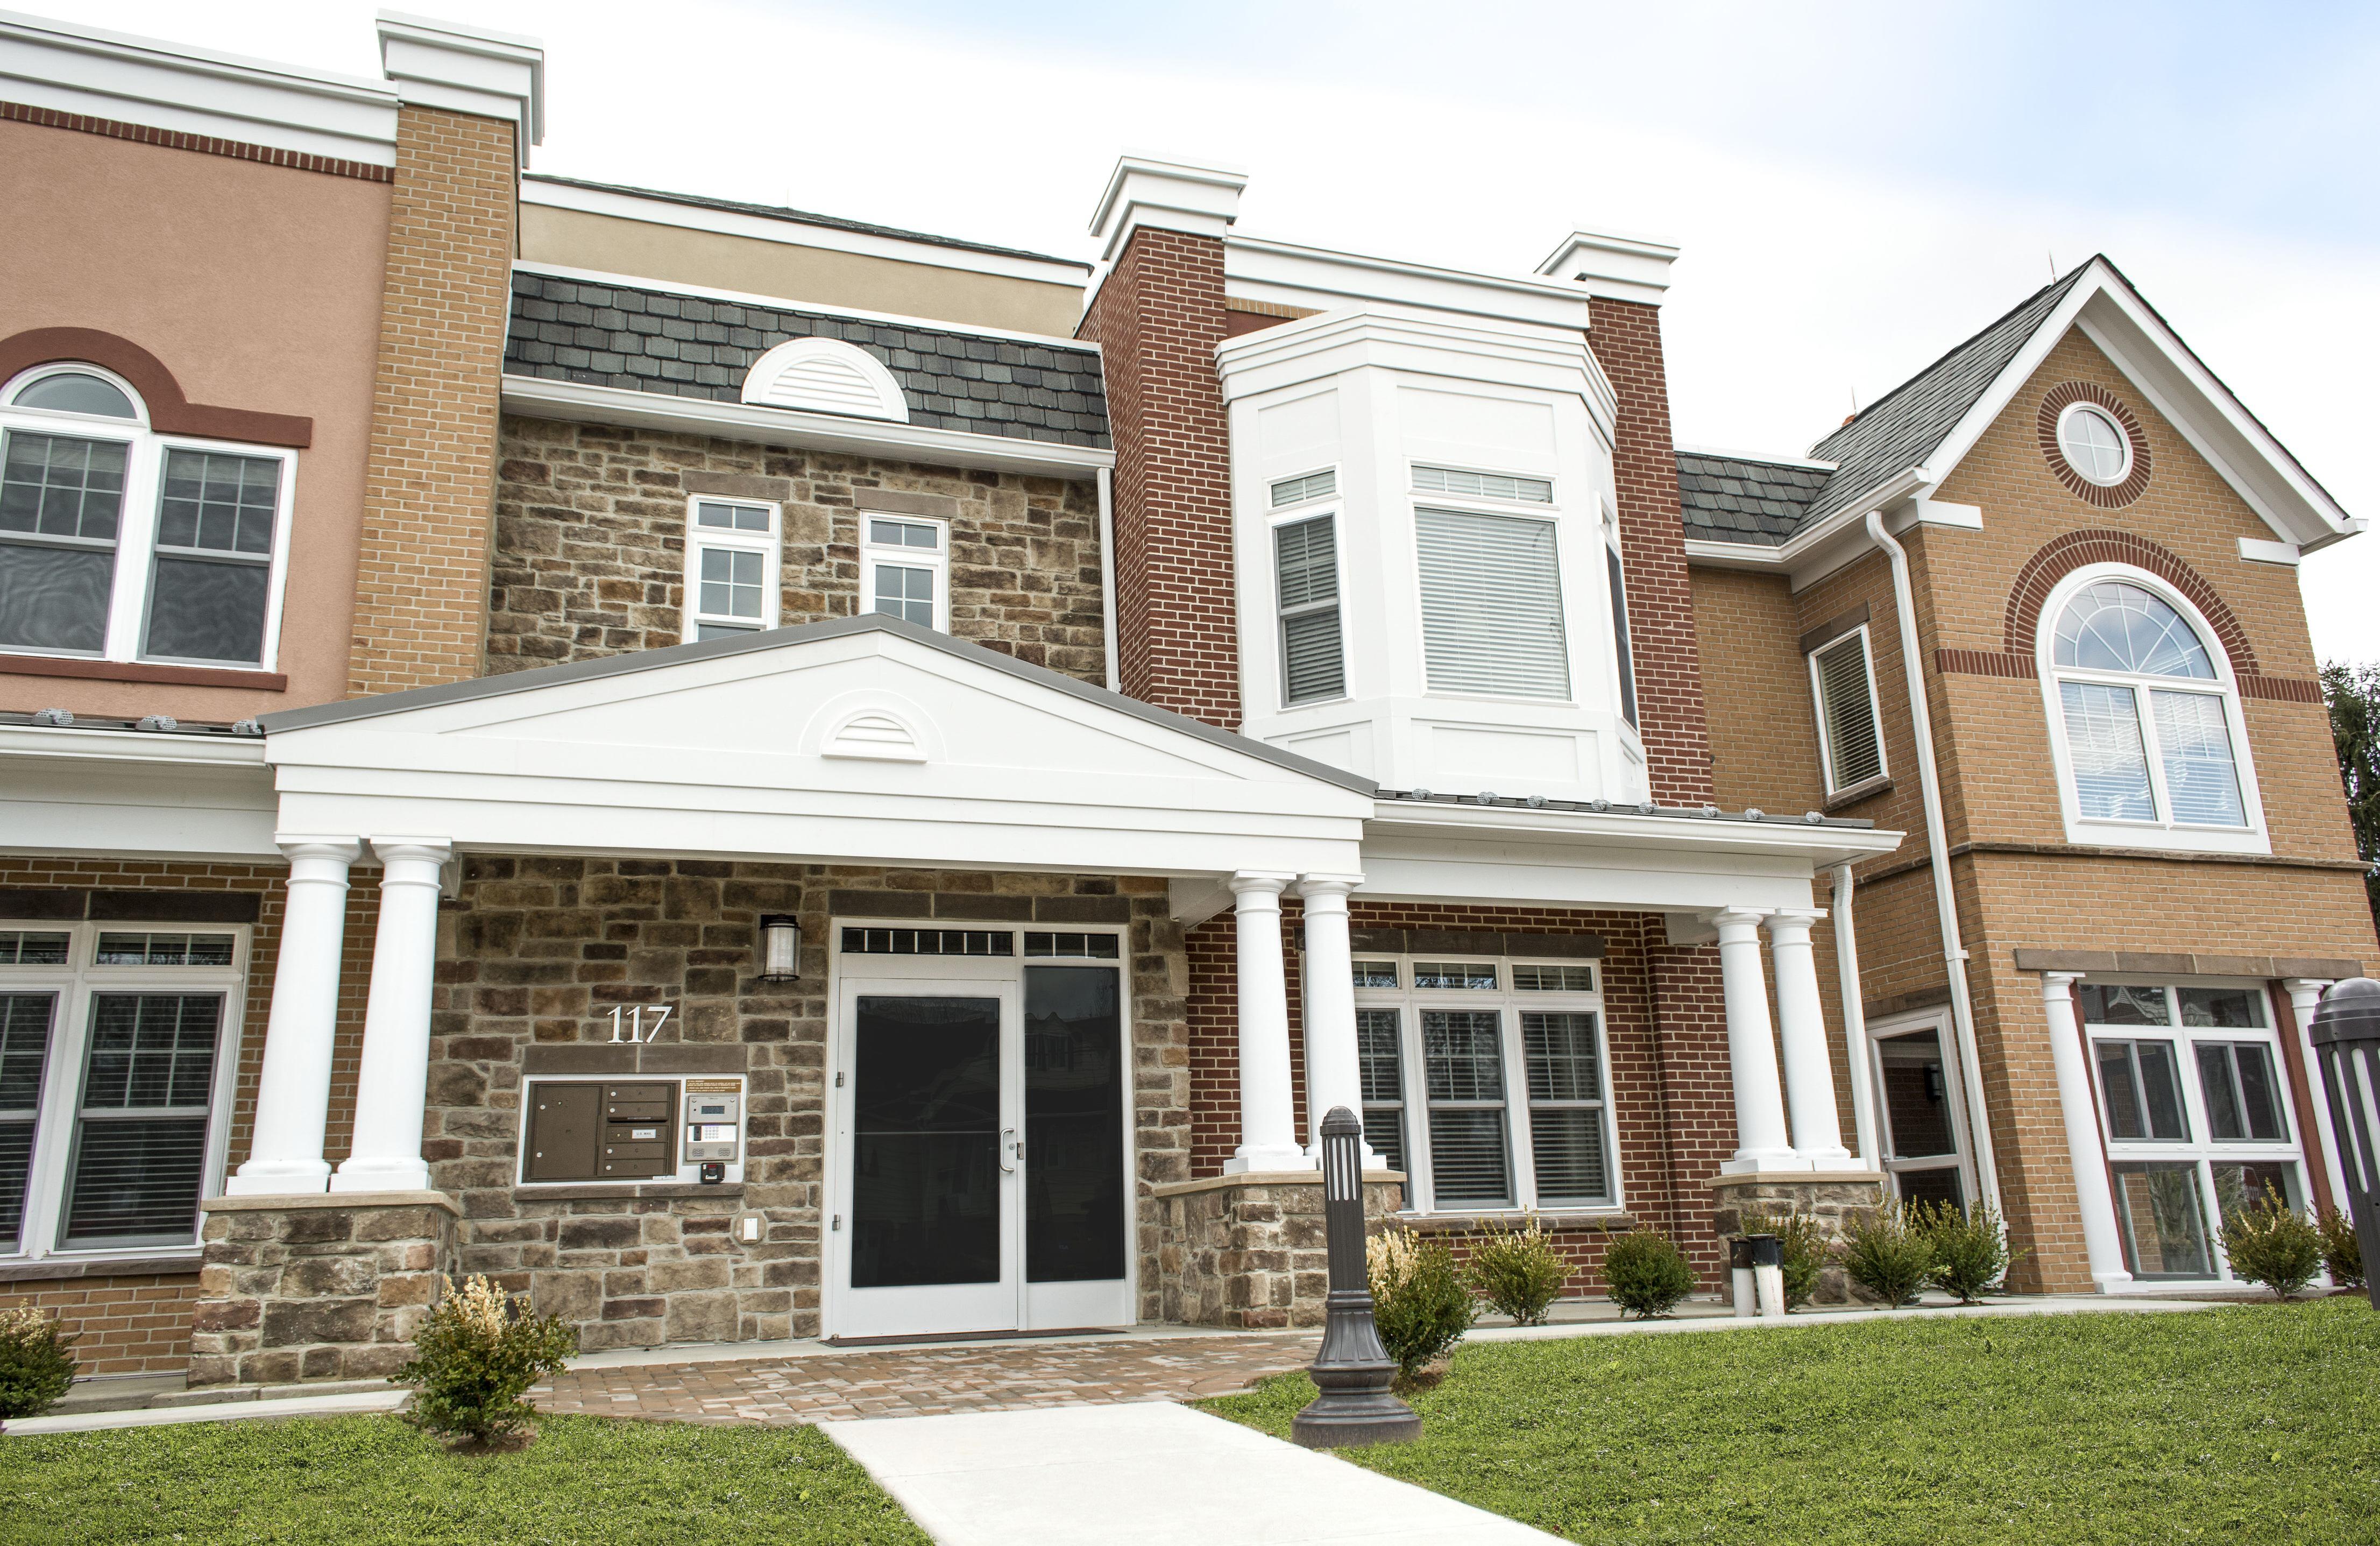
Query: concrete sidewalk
1150	1473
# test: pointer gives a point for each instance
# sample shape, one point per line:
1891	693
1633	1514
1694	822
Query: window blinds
1847	714
1306	554
1491	605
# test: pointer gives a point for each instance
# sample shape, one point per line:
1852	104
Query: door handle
1010	1148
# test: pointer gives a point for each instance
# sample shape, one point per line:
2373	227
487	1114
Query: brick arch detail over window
2062	556
169	411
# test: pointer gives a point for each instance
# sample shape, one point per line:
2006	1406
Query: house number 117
635	1029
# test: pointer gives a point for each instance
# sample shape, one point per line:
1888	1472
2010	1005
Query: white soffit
90	72
657	210
741	748
1315	279
65	790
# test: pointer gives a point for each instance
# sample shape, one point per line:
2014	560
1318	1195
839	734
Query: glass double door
979	1175
1925	1152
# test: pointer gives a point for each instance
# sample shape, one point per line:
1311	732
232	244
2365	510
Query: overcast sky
1856	187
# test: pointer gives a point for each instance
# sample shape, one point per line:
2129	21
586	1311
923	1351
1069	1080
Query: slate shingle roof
1744	501
1740	499
648	339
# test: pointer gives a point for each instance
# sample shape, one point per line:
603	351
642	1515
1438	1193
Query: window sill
50	1269
135	670
1845	799
1613	1219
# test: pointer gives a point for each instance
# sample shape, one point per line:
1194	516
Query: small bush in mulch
1418	1301
1971	1251
37	1362
2342	1253
2272	1243
475	1355
1646	1274
1888	1253
1517	1271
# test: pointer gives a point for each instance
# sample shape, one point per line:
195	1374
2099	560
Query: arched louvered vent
874	734
826	375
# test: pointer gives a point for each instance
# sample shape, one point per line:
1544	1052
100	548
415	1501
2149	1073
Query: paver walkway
832	1385
1148	1474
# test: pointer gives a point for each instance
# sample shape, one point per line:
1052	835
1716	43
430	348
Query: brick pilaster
1157	321
421	576
1626	338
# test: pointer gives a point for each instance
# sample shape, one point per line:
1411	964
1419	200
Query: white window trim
2110	831
1882	1030
1874	710
1509	1003
2201	1150
75	982
871	555
1300	504
2123	438
1319	508
1550	515
136	529
769	544
1494	502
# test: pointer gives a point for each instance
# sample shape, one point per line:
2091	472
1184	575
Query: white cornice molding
467	69
1317	279
1615	267
1779	837
534	397
149	747
93	73
1167	195
1312	347
790	232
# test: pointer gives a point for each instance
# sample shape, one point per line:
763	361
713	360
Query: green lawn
374	1481
2260	1423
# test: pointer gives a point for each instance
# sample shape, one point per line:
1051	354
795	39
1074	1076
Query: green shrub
2341	1252
1418	1301
1800	1242
35	1364
1888	1253
474	1355
2271	1243
1646	1274
1970	1252
1517	1271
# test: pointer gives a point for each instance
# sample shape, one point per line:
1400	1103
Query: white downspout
1107	574
1855	1022
1937	844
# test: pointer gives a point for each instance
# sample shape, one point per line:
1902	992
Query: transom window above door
1487	1081
905	567
2145	722
731	567
117	542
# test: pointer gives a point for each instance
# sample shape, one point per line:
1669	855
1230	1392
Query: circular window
2095	445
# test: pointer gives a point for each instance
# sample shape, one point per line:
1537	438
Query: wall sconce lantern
781	947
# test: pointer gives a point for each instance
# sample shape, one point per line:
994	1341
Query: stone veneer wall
590	543
1254	1253
327	1287
1833	1202
535	952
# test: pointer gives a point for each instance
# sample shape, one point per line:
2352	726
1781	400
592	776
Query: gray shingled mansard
648	339
1741	499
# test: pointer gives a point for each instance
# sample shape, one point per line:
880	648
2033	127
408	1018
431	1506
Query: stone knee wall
1833	1203
535	952
1254	1253
325	1287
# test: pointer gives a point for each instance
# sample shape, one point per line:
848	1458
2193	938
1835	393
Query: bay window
120	544
1491	604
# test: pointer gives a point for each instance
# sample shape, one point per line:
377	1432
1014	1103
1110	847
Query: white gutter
1938	847
1107	575
1855	1047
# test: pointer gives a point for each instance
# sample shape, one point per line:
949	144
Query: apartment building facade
753	774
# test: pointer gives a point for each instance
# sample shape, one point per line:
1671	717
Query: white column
2305	997
1334	1068
1268	1114
1855	1044
293	1095
1752	1052
393	1082
1802	1023
2101	1243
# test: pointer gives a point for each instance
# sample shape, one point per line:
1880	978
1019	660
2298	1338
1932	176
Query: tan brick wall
422	573
136	1325
1764	751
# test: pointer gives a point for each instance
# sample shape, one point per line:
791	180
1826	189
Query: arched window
119	543
2147	715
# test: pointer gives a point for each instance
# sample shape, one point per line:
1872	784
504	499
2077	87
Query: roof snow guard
669	342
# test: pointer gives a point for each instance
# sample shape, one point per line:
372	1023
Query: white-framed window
2144	717
1471	484
732	547
1851	729
2195	1109
905	567
2094	445
118	1043
1491	604
119	543
1306	568
1487	1081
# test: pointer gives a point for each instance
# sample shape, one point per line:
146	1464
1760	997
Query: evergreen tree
2354	693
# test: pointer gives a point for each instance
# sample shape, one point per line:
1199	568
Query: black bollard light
1353	1370
2346	1036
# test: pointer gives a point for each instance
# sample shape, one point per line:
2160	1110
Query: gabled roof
676	343
1731	498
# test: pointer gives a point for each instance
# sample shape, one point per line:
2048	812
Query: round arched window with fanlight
2145	713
